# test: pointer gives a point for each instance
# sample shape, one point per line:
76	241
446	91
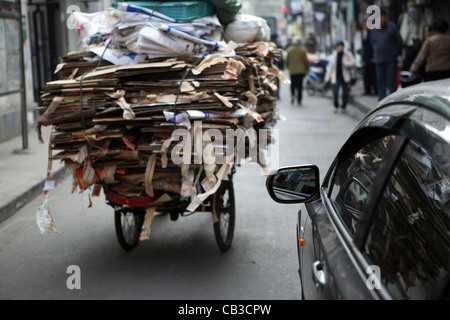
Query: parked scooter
315	78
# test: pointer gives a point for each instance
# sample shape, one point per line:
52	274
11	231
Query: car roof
433	95
414	103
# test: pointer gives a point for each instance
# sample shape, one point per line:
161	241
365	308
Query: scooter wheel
310	88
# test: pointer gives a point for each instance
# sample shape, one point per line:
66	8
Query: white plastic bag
44	218
88	24
247	28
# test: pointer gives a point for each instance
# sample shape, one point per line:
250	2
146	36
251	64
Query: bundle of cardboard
115	125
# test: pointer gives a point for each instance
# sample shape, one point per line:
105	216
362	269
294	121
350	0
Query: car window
410	239
354	176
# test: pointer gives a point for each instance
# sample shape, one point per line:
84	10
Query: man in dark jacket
387	45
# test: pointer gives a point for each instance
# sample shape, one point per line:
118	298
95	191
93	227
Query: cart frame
129	219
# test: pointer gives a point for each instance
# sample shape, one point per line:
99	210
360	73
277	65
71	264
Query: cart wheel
223	209
128	228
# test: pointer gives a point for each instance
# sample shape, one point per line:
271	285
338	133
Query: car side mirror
297	184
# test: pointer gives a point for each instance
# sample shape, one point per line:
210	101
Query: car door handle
318	275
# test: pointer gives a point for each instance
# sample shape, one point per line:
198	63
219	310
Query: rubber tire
226	214
310	88
128	240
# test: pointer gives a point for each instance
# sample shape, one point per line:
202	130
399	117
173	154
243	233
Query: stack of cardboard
113	125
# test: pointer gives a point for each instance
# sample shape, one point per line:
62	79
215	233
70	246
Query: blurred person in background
411	54
341	63
311	43
387	45
370	76
297	64
435	52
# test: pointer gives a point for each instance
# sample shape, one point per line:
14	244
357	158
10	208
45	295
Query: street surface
181	260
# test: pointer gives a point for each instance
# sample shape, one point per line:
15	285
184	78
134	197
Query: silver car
378	225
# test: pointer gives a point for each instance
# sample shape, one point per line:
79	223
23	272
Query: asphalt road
181	260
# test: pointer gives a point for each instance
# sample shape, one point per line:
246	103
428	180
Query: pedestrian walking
339	73
370	77
297	64
387	45
435	52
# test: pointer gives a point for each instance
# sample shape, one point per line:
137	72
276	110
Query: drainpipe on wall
23	98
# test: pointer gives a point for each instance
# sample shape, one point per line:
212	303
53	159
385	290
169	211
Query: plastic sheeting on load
148	33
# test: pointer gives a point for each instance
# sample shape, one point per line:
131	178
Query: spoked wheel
223	209
128	228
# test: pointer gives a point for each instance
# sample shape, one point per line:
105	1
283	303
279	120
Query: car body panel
345	279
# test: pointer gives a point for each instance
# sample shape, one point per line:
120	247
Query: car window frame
357	140
416	121
362	232
371	131
397	128
441	292
365	133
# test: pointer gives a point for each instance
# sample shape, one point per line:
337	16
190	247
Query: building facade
46	37
334	20
43	24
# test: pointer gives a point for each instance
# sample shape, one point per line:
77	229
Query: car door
328	269
382	226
